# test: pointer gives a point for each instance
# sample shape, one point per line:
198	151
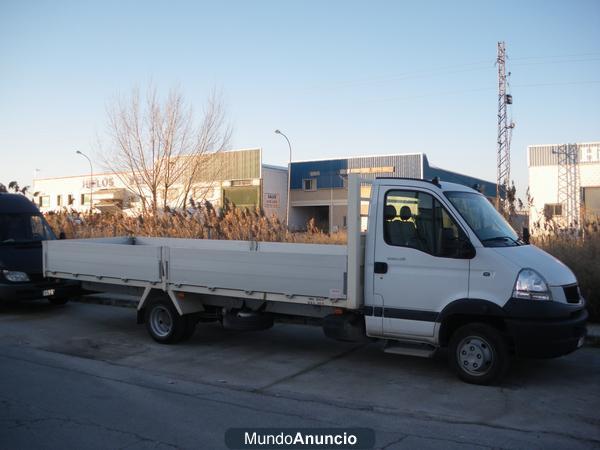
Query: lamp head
277	132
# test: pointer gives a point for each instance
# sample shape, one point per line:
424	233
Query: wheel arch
468	310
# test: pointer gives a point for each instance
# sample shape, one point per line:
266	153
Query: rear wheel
479	354
164	323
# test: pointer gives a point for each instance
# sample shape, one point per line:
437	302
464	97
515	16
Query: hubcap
161	321
475	355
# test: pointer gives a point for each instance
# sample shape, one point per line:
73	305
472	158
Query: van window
23	227
417	220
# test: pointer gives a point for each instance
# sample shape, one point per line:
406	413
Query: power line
483	89
572	55
462	68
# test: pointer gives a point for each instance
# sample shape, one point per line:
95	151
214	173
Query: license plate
48	292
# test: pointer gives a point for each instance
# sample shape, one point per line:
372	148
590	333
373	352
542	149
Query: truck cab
22	230
444	269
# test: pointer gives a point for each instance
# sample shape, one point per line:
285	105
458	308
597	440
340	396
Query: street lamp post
287	212
91	176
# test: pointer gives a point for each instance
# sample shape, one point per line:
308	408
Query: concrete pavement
86	376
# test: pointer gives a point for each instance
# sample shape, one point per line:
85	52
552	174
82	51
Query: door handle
381	267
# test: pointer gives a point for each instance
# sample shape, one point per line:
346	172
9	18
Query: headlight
531	285
15	277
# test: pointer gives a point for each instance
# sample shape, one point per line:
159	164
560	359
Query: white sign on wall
271	200
98	182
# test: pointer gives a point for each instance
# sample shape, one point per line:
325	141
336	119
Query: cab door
420	264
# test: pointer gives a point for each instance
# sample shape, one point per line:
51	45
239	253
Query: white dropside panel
288	269
103	258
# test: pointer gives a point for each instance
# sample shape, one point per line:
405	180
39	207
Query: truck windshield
489	226
24	228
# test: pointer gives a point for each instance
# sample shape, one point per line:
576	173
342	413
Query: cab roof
430	184
16	204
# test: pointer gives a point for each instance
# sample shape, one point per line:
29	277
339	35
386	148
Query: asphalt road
86	376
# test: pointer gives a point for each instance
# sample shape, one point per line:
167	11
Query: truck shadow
33	308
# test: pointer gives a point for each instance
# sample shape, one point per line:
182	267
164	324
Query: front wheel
478	353
164	323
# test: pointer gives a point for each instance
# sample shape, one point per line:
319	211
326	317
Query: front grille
571	293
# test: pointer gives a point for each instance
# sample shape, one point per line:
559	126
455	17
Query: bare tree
157	145
213	136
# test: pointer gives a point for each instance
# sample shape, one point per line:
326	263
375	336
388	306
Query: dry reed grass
206	223
580	251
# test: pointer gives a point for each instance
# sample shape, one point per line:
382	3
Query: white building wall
274	191
76	186
543	189
543	179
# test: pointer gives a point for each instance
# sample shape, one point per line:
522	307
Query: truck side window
417	220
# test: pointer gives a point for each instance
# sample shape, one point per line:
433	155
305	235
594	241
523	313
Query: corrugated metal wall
232	165
487	187
542	155
329	173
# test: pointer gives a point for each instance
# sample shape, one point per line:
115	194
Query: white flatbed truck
436	267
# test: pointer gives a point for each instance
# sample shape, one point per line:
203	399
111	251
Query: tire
58	301
478	353
163	322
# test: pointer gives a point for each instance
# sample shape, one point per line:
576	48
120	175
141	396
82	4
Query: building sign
271	200
363	170
589	152
99	182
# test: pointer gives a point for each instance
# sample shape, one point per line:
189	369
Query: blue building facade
318	188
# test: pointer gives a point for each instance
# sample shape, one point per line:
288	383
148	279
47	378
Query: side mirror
526	235
62	235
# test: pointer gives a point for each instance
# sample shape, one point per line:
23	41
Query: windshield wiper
502	238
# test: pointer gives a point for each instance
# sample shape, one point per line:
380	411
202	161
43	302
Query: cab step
422	349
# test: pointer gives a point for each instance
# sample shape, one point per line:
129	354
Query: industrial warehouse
564	184
318	188
237	176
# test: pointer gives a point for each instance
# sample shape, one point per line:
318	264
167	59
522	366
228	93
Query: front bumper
37	290
553	330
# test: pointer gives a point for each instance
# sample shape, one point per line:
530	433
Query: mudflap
345	327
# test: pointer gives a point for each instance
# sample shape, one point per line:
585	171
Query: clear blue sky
338	77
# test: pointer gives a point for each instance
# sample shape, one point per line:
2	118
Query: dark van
22	230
